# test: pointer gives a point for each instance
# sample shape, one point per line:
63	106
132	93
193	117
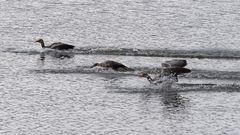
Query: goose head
94	65
39	41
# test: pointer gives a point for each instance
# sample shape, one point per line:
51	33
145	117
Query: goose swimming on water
113	65
57	45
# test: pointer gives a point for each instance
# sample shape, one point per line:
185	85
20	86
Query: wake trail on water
210	54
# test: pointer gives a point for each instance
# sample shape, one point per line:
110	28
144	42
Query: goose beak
94	65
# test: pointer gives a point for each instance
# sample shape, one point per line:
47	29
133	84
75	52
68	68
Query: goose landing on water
171	69
113	65
57	46
171	72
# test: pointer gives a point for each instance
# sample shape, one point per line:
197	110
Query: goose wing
61	46
174	63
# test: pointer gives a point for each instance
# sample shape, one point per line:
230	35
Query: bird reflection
56	54
162	101
172	99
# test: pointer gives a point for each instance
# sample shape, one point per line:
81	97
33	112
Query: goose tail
129	69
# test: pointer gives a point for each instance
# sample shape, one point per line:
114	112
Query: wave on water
81	70
177	88
211	74
195	74
223	54
208	85
22	51
211	54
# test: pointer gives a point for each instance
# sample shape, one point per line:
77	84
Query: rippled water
57	95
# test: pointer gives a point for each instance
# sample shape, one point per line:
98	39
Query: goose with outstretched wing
171	68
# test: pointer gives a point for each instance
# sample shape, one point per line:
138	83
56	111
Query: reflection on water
200	53
172	100
56	54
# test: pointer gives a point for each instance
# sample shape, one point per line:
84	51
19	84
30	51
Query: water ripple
210	54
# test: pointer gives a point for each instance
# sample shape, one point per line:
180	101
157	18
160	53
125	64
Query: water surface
58	95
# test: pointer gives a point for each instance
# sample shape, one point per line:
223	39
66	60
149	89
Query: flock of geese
171	68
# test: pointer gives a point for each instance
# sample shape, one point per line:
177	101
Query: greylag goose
113	65
57	45
171	68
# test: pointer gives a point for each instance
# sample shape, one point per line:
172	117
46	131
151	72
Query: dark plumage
171	68
174	63
175	67
113	65
175	70
57	46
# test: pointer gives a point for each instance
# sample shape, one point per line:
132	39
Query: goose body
113	65
171	68
57	45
